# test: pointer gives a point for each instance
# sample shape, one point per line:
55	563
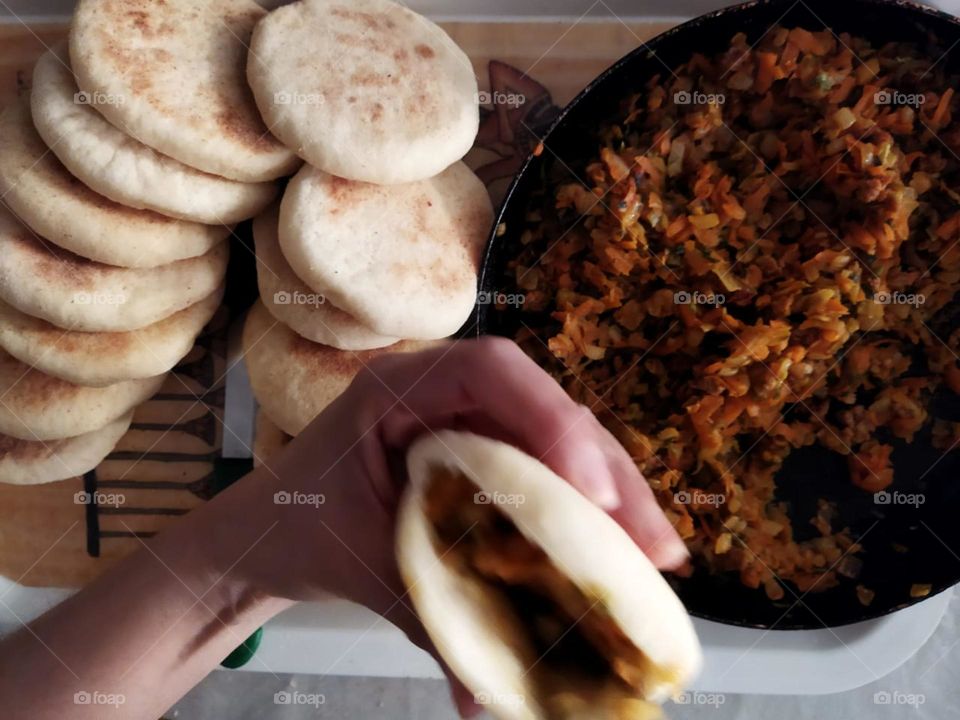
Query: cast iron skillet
931	532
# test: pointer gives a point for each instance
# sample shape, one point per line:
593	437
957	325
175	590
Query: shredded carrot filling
570	633
763	257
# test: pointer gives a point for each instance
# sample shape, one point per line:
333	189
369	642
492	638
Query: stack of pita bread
377	242
121	177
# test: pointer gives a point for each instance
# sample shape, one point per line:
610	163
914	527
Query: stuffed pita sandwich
535	598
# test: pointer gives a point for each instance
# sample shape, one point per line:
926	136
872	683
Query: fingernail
673	554
595	480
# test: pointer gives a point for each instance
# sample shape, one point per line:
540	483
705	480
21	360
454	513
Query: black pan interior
931	532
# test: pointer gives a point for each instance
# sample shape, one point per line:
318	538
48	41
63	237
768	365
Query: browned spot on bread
316	359
16	449
367	20
34	158
425	51
340	190
372	43
24	387
137	41
140	20
92	343
369	79
56	265
376	114
237	125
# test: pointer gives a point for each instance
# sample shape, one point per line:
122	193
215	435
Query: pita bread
171	74
364	89
97	359
119	167
291	302
74	293
476	626
268	440
403	259
60	208
294	379
26	462
35	406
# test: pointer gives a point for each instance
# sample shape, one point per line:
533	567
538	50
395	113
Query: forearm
148	630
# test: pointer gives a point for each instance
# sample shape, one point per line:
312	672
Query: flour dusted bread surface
402	259
294	379
74	293
474	626
121	168
286	297
36	186
104	358
364	89
31	462
178	70
37	406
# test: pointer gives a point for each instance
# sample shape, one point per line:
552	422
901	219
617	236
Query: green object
244	654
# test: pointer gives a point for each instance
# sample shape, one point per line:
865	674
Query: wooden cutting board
165	465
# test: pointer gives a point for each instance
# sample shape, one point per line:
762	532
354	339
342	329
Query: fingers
495	377
491	387
639	513
577	456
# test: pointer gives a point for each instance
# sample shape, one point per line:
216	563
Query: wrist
228	538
